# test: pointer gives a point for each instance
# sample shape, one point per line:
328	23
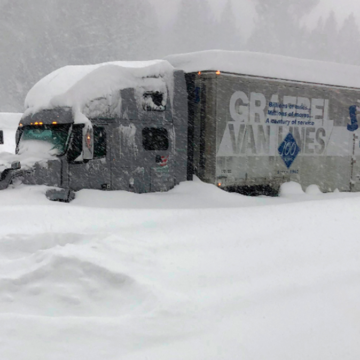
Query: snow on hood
27	160
75	86
267	65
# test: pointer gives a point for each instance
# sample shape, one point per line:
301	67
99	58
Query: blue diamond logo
289	150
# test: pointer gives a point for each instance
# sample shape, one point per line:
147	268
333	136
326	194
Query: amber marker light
36	123
54	122
199	73
218	72
21	125
219	184
40	123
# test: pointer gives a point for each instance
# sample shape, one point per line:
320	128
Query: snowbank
290	188
195	274
76	86
267	65
313	190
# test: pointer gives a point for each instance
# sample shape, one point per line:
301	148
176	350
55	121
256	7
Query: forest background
39	36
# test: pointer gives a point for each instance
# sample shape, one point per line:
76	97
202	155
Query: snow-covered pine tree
39	36
330	36
278	27
317	41
194	28
229	37
349	42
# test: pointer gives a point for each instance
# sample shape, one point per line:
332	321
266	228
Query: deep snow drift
195	274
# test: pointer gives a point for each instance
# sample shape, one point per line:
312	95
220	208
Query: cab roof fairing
76	87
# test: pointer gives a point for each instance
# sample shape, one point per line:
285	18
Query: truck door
157	145
95	173
99	167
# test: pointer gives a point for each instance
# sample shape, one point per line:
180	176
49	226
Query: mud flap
60	195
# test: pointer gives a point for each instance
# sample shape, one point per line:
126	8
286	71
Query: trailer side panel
269	131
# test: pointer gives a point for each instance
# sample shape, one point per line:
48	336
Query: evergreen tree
278	26
317	41
228	33
349	42
330	35
194	28
39	36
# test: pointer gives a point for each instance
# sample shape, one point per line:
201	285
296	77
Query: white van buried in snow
245	122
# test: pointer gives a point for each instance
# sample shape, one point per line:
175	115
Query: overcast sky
245	11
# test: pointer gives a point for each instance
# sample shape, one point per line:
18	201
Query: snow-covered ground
192	274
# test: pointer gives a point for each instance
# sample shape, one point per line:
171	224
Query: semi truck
245	122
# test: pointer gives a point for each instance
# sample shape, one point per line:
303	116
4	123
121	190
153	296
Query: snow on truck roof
73	86
268	65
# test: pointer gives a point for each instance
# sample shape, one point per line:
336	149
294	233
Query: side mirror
15	165
81	144
88	143
76	145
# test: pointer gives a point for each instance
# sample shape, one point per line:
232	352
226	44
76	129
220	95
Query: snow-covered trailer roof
75	86
270	66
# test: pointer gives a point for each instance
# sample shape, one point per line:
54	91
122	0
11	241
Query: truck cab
132	138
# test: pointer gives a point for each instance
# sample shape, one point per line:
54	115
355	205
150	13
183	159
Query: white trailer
257	121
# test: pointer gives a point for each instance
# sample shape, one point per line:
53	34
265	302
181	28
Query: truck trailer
245	122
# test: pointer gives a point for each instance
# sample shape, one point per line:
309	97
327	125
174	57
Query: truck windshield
44	139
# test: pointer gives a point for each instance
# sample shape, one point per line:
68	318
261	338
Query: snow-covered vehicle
243	121
260	120
113	126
